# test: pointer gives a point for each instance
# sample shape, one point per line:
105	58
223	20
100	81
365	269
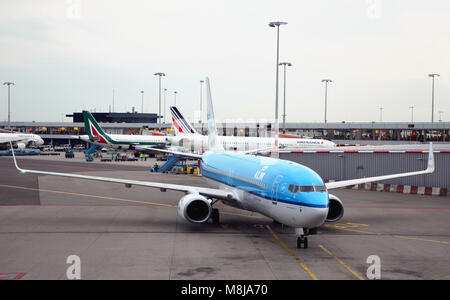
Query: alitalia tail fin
180	124
93	130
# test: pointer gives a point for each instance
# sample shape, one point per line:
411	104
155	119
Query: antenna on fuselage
213	143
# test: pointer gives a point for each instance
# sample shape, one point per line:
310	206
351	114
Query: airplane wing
344	183
207	192
190	155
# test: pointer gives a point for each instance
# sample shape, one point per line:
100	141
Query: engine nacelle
21	146
335	209
194	208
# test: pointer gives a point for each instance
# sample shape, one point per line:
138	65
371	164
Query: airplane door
274	190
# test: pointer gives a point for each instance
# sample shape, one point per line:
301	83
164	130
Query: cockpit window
306	188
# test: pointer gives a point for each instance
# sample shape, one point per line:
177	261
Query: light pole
432	96
326	96
440	115
284	64
165	92
277	25
412	113
113	102
160	75
175	97
381	113
142	102
9	101
201	110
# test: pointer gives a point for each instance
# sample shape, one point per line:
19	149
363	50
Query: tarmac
136	233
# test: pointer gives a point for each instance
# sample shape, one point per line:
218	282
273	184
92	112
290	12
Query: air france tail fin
180	124
213	142
93	130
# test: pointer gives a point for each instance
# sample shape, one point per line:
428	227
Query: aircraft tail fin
93	129
180	124
213	142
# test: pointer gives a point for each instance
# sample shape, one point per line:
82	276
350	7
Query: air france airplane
185	133
97	136
284	191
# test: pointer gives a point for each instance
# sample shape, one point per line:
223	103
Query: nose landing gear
302	239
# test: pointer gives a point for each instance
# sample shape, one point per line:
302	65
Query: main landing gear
302	239
215	216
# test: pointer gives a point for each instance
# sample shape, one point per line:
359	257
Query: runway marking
87	195
114	199
352	230
341	262
311	274
442	278
349	225
399	208
395	236
420	239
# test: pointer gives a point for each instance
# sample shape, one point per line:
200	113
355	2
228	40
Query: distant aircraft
21	140
97	136
186	134
288	192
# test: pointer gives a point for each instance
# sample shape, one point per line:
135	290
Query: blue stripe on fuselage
264	177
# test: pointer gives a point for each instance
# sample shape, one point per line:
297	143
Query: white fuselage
248	143
124	141
24	138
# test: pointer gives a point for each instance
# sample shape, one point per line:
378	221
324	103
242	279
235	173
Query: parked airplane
22	140
185	134
288	192
97	136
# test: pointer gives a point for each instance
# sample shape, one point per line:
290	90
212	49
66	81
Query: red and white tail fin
180	124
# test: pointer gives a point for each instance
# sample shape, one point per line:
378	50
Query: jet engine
21	146
335	209
194	208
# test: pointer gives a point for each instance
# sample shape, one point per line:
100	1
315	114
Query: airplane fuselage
21	138
125	141
269	186
249	143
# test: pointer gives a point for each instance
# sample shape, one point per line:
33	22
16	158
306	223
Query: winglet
430	167
14	158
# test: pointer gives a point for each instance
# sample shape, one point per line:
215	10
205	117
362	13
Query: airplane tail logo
93	130
180	124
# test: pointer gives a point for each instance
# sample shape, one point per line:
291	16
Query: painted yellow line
341	262
87	195
395	236
443	278
352	230
419	239
113	198
311	274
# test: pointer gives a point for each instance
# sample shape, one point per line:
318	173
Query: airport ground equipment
167	166
92	149
69	154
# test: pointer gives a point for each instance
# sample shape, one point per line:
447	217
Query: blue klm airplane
287	192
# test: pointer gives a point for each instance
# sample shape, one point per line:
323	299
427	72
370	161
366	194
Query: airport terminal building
55	133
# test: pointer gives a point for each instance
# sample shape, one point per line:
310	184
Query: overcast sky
65	56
